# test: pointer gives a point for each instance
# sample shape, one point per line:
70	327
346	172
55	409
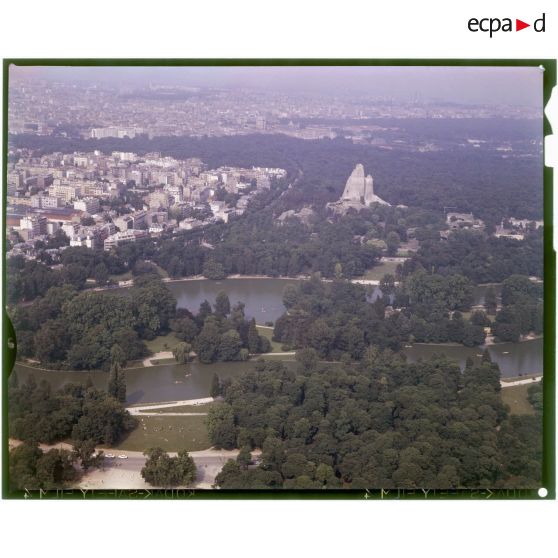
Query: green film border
549	399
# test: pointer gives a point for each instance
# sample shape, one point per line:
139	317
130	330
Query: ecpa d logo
494	24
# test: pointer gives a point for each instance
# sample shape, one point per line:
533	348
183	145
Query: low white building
189	224
130	235
89	205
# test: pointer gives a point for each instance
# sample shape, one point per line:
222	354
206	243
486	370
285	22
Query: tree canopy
382	423
161	470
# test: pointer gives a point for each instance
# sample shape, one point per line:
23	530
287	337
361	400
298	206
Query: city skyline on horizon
516	86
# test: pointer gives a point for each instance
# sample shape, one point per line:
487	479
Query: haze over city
471	85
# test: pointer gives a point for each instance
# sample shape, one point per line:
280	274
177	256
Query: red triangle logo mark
519	25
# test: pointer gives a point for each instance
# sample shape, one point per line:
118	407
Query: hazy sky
491	85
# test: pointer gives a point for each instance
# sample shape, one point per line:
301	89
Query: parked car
109	455
122	456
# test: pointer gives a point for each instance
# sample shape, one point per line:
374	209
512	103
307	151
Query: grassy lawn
121	276
275	346
284	358
169	433
467	315
162	343
128	274
160	270
516	398
134	364
378	271
184	409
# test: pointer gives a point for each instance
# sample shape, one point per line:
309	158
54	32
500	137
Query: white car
109	455
122	456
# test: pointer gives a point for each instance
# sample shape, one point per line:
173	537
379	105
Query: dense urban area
393	225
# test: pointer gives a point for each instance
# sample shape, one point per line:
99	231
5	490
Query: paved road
126	473
521	382
160	414
274	354
154	406
374	282
157	356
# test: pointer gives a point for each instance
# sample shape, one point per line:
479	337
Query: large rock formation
358	192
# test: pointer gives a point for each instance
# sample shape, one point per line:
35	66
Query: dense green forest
339	320
162	470
85	330
480	181
79	412
336	319
31	468
481	258
219	334
67	328
522	309
79	330
382	423
258	246
450	131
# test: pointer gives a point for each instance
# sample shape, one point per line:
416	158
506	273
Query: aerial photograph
275	278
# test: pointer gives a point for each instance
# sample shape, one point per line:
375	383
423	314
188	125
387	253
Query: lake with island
170	382
263	297
263	300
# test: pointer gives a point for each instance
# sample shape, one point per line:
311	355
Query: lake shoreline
262	297
484	346
290	353
356	280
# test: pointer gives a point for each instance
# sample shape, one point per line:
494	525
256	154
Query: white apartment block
89	205
81	161
123	156
159	199
93	189
66	192
70	229
124	236
46	202
176	191
34	224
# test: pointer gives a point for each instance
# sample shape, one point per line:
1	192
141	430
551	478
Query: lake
263	299
169	382
514	359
